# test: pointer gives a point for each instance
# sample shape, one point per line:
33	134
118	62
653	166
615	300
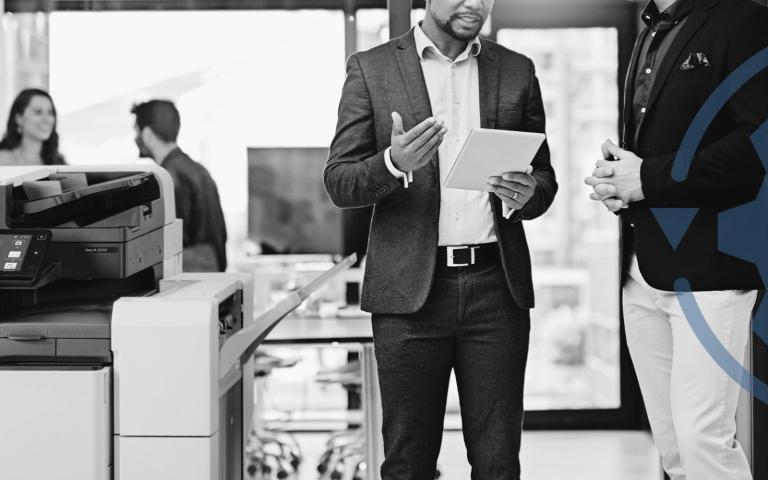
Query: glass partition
574	355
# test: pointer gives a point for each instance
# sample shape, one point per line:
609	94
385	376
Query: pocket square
695	60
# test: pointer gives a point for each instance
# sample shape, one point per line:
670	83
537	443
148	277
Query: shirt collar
423	43
671	16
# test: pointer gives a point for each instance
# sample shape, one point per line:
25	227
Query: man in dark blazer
669	226
448	276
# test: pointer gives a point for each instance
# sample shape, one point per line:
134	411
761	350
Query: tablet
487	153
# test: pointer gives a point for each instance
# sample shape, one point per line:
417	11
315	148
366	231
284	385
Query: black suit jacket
726	170
402	247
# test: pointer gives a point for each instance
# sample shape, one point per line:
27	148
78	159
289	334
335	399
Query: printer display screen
13	250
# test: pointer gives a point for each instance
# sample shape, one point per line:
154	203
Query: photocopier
113	363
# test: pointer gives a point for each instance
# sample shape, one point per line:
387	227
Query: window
574	353
241	79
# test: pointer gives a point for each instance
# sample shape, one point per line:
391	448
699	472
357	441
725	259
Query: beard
143	150
449	27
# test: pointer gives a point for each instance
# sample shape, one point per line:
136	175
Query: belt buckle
449	253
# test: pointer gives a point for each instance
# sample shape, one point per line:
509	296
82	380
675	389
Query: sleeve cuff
407	178
508	211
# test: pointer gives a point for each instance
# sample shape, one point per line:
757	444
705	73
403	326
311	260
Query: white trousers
690	400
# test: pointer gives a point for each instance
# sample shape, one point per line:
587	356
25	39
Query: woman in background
30	136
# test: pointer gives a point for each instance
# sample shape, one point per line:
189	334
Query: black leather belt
468	255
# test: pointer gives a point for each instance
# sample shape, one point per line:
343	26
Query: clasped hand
616	183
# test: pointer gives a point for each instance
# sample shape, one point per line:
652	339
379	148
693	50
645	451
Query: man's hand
604	192
513	188
616	183
413	149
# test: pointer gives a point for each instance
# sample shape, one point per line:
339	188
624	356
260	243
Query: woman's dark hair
12	138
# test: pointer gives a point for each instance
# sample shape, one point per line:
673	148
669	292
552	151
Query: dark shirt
198	205
662	28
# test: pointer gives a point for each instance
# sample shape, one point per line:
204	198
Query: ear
147	136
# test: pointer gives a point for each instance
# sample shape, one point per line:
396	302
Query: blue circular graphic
742	231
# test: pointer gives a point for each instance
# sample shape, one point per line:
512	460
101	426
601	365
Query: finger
427	156
422	140
509	199
603	163
594	181
520	178
502	190
600	198
431	143
397	124
428	152
602	172
605	189
614	150
511	185
416	131
613	204
606	154
596	197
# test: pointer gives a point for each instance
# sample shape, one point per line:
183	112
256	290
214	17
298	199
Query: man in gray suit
448	275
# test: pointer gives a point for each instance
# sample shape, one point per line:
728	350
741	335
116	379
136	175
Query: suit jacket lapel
488	75
413	79
629	89
488	78
693	23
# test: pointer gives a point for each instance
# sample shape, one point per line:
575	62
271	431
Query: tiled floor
545	456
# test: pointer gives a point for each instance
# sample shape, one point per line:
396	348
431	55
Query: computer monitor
288	208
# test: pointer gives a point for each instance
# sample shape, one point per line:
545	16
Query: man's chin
463	34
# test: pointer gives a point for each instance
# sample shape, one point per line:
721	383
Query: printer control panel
22	253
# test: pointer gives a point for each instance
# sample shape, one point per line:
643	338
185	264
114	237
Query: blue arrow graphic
674	222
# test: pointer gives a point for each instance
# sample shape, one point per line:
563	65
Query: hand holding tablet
490	153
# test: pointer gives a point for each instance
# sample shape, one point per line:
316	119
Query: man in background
197	198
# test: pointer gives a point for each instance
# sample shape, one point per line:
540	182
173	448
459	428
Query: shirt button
642	110
653	34
648	70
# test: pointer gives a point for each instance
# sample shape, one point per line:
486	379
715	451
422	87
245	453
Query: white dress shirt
466	217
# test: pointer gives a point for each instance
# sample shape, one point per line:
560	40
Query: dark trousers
470	324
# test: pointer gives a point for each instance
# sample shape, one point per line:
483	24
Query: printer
113	363
109	355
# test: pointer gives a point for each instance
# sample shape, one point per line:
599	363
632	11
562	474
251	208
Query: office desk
337	331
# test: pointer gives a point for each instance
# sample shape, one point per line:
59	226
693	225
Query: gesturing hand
413	149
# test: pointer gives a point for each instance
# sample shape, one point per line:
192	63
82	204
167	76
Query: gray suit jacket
402	247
